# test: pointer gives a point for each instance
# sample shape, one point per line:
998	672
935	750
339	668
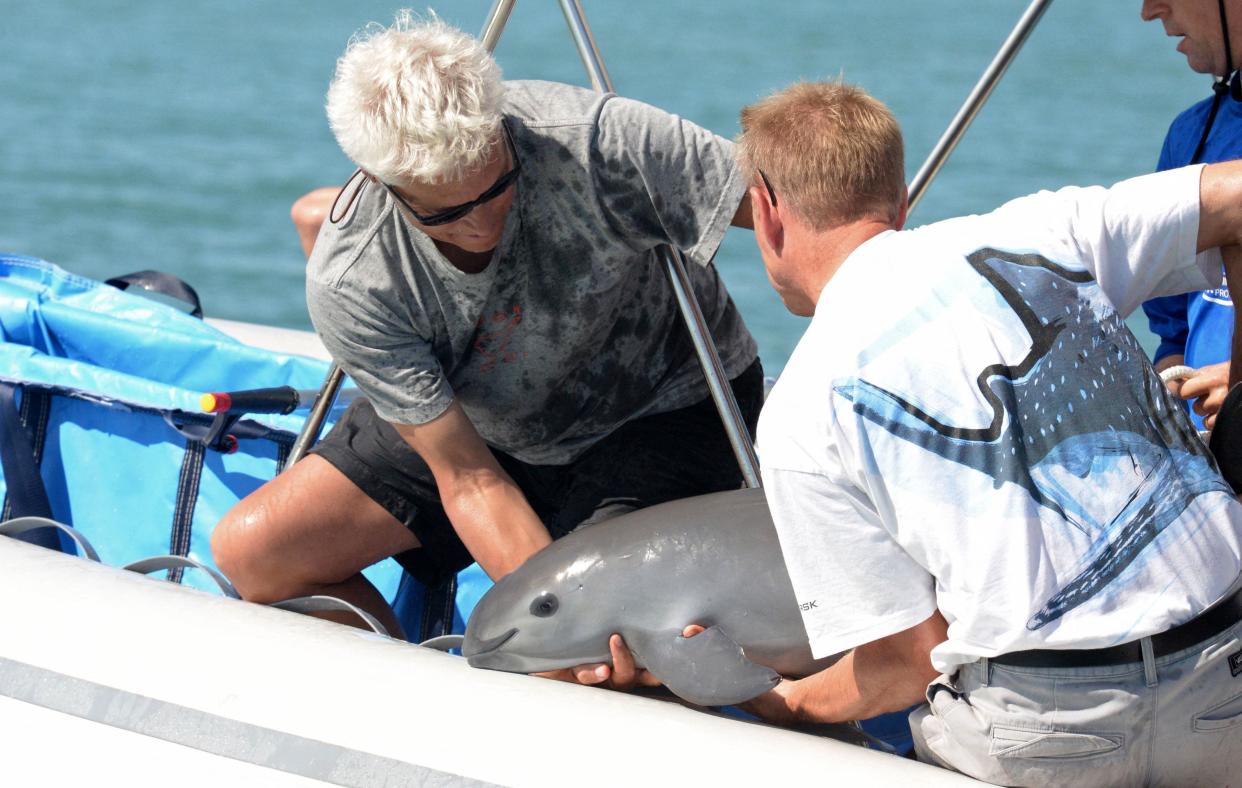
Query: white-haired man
1054	540
490	282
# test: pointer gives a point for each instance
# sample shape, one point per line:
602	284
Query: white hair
418	101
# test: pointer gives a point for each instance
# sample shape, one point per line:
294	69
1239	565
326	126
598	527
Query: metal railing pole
713	369
674	266
587	49
497	18
318	414
977	98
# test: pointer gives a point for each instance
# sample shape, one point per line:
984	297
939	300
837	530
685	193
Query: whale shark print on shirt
1080	413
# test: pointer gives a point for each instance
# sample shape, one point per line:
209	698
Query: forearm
889	674
852	689
487	509
856	688
1166	362
742	216
494	521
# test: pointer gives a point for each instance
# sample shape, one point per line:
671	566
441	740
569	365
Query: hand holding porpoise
712	560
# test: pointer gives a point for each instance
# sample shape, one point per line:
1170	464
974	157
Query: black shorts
644	462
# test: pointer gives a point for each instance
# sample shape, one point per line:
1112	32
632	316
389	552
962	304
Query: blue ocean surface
141	134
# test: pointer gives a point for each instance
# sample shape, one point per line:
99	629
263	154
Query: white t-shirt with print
968	425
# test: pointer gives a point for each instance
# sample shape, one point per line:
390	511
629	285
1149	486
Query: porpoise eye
544	605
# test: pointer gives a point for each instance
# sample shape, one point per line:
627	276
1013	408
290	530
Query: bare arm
885	675
1174	360
309	212
1220	206
485	506
496	524
743	217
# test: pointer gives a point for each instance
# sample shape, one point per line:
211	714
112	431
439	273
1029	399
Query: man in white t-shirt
984	494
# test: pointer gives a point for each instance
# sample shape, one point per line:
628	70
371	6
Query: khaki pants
1174	721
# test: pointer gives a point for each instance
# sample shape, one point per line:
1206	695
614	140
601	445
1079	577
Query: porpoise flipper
708	669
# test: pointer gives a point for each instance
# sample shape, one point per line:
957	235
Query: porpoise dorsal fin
708	669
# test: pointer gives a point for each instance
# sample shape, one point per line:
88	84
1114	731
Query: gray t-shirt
572	329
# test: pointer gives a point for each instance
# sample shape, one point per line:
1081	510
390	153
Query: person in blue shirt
1195	329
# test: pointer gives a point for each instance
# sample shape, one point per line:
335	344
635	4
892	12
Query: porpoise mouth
475	647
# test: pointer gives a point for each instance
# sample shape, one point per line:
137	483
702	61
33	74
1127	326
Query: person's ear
904	211
769	228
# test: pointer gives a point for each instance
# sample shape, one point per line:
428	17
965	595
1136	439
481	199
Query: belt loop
985	671
1149	662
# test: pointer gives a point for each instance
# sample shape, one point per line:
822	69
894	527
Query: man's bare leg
310	531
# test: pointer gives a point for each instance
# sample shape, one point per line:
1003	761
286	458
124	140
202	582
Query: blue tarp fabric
116	368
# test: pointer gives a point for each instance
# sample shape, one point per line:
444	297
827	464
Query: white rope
1179	372
1183	372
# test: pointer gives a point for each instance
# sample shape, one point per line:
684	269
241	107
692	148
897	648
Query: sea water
175	136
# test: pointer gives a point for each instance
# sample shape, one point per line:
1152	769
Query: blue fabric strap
438	607
27	495
34	414
187	498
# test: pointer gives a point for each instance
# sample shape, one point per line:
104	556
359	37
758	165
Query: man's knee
307	529
237	547
259	544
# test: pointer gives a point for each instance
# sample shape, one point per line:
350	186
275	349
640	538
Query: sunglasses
458	211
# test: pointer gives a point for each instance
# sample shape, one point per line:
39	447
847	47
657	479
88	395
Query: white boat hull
251	688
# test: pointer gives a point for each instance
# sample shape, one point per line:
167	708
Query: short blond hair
417	101
829	149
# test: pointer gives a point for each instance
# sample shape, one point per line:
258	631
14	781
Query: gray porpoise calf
712	560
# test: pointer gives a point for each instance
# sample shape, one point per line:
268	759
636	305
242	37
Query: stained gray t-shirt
572	329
